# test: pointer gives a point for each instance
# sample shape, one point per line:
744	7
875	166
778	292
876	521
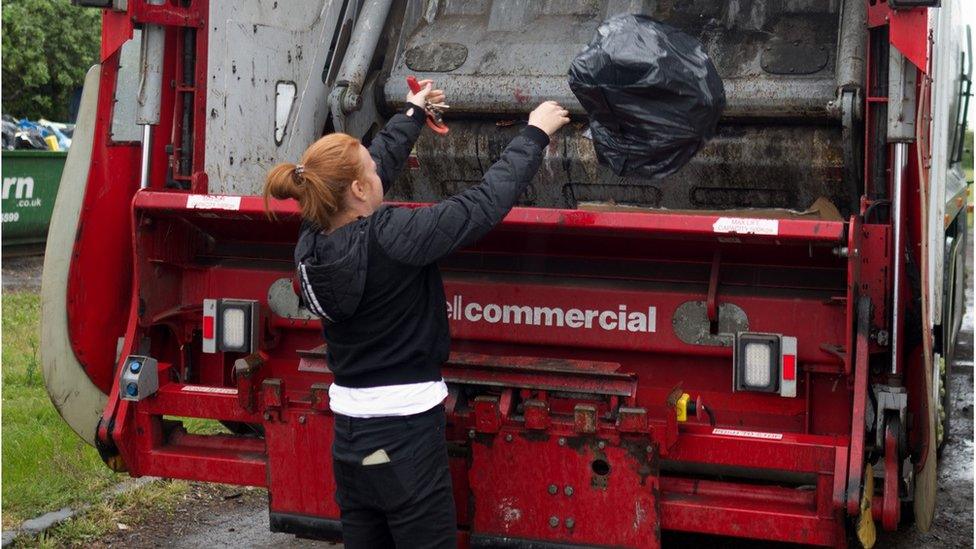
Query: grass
130	509
45	466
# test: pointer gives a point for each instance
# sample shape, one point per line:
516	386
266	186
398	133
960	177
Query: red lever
432	123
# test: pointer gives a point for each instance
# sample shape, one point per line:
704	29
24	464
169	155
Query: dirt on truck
754	346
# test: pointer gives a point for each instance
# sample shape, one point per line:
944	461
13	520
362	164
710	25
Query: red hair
328	166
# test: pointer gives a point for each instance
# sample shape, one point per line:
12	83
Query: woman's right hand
549	117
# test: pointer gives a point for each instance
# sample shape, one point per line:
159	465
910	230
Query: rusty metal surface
777	59
518	52
761	166
497	58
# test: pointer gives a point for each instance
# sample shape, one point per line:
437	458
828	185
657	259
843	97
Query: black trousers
407	502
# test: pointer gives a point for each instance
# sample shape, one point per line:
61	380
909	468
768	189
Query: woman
370	273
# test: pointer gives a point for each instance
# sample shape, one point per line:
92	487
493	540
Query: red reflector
789	367
208	327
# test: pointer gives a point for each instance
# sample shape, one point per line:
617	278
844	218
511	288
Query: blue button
135	366
131	390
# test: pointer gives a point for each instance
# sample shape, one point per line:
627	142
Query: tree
48	46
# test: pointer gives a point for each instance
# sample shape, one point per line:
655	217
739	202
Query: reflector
209	343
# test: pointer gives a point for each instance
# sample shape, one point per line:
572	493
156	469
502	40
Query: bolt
301	420
570	523
601	445
649	449
267	416
553	489
471	433
568	490
562	441
508	437
553	521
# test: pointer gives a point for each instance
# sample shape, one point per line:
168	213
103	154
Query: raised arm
392	145
424	235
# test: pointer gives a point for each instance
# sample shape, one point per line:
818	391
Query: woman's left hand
426	94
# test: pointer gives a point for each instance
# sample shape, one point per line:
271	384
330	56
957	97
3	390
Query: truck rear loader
755	346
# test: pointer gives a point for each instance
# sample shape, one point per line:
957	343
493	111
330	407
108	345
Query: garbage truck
754	346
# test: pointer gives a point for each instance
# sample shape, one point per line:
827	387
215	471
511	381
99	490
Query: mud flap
74	395
564	491
926	479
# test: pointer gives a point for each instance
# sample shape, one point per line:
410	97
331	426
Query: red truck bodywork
557	434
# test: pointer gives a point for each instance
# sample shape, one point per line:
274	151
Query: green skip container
30	186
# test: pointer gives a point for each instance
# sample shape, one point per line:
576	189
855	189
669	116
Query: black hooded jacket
375	282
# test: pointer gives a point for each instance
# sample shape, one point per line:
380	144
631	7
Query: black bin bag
652	95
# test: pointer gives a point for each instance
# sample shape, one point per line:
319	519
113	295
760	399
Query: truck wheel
954	305
943	419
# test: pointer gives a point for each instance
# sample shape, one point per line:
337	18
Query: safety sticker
745	225
212	202
212	390
747	434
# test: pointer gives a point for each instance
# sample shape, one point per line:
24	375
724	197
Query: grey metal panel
253	45
519	52
284	301
901	98
124	127
150	90
691	324
851	45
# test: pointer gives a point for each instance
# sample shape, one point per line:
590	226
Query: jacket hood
332	269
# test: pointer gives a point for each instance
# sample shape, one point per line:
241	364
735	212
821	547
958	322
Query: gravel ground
22	273
211	516
223	516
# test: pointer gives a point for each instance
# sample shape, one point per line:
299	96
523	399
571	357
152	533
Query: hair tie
299	169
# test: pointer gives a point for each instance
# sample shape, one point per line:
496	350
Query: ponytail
320	182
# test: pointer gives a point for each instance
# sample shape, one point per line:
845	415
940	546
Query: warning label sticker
744	225
747	434
212	202
211	390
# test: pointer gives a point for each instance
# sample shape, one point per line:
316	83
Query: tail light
230	325
765	363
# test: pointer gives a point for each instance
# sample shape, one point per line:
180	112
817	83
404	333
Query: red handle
414	85
440	128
